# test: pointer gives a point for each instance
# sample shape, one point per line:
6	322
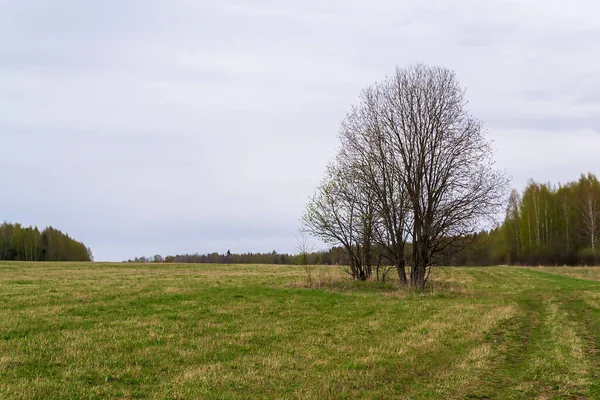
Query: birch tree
589	187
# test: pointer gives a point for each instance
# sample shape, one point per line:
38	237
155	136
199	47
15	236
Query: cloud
146	127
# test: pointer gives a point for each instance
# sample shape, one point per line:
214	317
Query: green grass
123	331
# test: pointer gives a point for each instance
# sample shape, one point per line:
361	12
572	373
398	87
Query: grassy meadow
126	331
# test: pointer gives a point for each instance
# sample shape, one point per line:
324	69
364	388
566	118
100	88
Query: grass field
97	331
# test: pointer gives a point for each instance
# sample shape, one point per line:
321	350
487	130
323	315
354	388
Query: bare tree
447	167
304	247
339	215
414	167
366	148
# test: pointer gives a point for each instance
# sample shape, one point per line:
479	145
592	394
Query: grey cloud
486	34
589	98
569	42
547	123
147	127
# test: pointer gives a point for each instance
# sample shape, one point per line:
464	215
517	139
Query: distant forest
330	257
544	225
549	225
19	243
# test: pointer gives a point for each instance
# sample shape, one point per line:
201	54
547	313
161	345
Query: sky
145	127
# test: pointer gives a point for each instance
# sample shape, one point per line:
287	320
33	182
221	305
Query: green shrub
589	256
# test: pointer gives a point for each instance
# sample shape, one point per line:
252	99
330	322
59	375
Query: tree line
543	225
554	224
19	243
326	257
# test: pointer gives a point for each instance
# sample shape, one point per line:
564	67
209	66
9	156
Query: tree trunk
401	268
419	268
417	275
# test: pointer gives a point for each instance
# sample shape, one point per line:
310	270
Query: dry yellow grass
203	331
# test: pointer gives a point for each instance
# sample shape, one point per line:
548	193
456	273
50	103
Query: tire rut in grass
545	360
511	343
587	320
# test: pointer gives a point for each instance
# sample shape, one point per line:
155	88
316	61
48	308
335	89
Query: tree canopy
414	168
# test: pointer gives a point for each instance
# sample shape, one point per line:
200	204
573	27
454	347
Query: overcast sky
147	126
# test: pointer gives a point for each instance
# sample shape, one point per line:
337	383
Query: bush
589	256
